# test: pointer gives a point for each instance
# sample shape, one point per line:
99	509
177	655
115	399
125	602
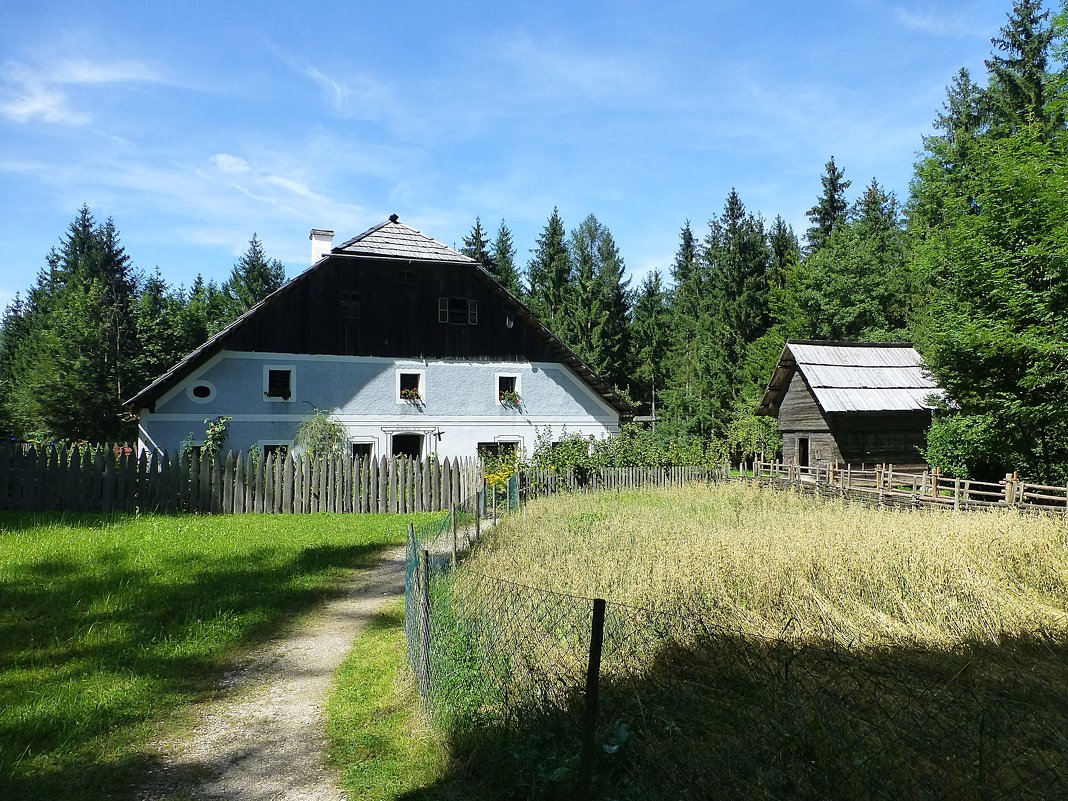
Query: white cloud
229	163
296	187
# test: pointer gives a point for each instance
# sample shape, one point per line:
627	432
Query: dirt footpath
263	734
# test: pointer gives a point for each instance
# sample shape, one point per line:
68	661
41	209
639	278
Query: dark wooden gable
382	307
384	294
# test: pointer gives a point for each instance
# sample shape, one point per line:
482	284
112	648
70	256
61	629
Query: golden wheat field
776	563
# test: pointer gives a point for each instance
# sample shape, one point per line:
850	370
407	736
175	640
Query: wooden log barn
851	403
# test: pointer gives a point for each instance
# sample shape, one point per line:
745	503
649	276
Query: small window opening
279	384
362	450
202	391
497	449
409	387
277	450
508	390
458	311
409	445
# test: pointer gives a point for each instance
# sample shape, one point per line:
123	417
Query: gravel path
262	735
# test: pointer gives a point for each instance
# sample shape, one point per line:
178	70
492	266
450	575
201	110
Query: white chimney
322	241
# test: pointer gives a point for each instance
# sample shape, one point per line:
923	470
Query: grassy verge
378	739
107	624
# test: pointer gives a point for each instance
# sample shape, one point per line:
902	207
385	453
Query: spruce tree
252	279
1018	77
476	247
830	209
549	274
71	368
650	337
502	260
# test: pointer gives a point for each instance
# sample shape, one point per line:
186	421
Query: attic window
350	305
201	391
277	383
458	311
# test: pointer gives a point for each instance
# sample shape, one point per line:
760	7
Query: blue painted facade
459	405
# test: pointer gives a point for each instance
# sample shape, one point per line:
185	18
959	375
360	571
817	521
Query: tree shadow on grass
93	652
725	716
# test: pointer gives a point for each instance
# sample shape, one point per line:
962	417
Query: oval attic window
202	391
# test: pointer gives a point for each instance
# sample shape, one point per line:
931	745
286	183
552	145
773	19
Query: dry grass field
770	563
759	644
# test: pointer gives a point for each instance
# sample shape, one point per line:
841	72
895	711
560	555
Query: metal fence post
424	621
479	509
454	536
593	683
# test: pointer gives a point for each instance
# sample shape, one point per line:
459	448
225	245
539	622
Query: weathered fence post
593	684
479	509
956	493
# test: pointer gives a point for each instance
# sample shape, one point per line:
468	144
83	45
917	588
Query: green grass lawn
108	624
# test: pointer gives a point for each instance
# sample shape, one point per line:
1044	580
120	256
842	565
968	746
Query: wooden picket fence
105	479
895	487
534	482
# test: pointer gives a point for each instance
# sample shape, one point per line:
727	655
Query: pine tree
502	261
71	367
596	323
475	245
830	209
549	274
1018	79
252	279
611	345
695	357
650	337
785	252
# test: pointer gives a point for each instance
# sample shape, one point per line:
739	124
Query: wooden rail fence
893	487
102	479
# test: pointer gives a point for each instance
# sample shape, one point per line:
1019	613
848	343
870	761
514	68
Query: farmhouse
850	402
413	346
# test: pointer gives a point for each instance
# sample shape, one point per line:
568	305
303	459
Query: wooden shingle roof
395	240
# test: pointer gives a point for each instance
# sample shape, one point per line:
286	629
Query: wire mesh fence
683	708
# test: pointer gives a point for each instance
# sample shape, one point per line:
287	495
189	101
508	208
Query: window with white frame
507	389
411	386
278	382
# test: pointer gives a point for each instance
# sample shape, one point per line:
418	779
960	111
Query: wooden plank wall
103	479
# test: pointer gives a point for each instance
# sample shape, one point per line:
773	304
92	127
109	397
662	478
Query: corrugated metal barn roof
846	377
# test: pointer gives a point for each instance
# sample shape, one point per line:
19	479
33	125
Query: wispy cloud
28	94
555	71
959	23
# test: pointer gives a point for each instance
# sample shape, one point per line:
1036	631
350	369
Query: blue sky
196	124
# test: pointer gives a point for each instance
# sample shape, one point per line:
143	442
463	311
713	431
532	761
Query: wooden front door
802	451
